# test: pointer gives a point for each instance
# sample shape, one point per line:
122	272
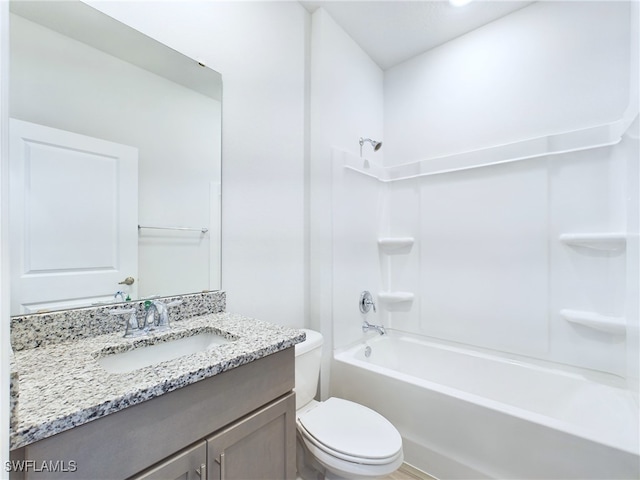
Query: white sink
145	356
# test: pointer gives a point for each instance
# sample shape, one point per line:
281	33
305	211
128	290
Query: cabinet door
190	464
261	446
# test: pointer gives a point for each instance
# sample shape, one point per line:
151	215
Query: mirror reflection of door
76	69
73	218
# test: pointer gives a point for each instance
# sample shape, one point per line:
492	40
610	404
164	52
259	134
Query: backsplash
30	331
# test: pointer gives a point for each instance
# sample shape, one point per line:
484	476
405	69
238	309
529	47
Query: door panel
73	218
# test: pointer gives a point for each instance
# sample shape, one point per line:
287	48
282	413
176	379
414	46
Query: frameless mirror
115	159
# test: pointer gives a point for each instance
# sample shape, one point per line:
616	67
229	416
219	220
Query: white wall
259	48
547	68
346	103
359	207
65	84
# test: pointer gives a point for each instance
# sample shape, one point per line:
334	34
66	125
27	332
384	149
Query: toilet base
308	467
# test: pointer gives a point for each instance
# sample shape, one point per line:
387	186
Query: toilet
338	439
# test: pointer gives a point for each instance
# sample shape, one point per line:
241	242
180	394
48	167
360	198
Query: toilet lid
352	429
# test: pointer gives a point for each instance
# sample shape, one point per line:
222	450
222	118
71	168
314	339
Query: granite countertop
63	386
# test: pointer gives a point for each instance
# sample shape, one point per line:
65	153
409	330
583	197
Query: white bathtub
471	414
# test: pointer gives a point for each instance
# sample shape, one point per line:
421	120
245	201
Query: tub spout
366	326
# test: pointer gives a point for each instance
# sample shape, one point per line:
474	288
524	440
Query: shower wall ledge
572	141
396	245
614	241
612	325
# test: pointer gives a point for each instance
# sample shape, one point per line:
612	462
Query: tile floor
405	472
408	473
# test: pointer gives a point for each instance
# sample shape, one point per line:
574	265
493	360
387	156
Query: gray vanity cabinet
259	446
243	418
253	447
187	465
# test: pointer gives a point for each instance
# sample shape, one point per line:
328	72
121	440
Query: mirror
81	76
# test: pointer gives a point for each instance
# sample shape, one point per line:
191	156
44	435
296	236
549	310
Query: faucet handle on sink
163	321
133	328
159	308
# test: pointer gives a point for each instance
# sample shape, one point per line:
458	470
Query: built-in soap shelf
603	323
615	241
395	245
395	297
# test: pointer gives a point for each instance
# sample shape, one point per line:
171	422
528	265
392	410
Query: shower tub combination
464	413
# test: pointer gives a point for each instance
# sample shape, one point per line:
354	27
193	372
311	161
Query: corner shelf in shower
597	241
541	147
395	245
395	297
603	323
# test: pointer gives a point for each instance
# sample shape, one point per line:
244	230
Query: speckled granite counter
62	385
14	392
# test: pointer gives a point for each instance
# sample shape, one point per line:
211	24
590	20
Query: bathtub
470	414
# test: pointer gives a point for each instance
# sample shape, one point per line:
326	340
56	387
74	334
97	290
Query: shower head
374	143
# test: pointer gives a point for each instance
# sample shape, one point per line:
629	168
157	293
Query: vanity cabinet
253	447
240	424
258	446
191	464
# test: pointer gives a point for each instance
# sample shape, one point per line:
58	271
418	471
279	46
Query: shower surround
500	218
531	261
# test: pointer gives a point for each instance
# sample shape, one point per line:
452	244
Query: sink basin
145	356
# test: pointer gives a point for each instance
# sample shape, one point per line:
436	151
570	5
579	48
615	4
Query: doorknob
127	281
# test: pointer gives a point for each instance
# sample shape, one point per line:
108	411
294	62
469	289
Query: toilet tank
308	358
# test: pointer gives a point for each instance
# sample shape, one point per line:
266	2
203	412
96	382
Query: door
73	218
262	446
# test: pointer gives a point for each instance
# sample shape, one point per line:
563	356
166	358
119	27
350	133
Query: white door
73	218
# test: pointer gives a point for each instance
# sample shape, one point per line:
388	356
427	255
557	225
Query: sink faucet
161	310
154	308
366	326
133	328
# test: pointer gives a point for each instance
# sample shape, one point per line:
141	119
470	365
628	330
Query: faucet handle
366	302
132	326
163	323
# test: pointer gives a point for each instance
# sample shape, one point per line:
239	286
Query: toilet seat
351	432
347	469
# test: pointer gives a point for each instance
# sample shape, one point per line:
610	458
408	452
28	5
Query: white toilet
338	438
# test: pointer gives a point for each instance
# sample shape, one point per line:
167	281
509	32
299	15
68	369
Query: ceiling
391	32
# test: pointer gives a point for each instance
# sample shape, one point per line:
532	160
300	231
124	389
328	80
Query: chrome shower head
374	143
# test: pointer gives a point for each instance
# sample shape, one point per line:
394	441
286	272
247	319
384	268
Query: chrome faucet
120	294
133	327
366	326
154	308
161	310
